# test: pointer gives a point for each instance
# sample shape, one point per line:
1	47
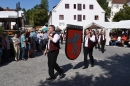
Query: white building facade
77	12
115	6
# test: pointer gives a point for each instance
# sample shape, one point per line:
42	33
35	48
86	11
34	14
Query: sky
27	4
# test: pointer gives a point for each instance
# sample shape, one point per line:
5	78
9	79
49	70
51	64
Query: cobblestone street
111	69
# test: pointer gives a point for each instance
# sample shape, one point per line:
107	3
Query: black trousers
97	46
102	46
52	58
86	52
61	40
45	41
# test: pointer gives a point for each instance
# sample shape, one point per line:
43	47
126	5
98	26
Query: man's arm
14	41
92	38
55	38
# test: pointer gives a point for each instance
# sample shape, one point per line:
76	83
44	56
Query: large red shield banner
73	41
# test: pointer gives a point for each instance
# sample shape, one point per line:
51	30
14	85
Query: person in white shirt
16	43
89	42
45	41
53	47
38	35
118	40
102	41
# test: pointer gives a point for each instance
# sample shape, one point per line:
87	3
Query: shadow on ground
117	74
66	68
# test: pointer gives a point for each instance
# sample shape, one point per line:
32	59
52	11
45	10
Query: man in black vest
88	48
52	48
102	41
97	36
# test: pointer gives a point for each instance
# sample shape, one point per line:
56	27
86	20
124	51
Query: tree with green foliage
106	8
44	5
33	15
123	14
40	17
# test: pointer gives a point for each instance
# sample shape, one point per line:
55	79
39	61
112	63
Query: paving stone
112	68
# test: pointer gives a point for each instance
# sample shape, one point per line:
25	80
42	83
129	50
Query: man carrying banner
52	50
89	43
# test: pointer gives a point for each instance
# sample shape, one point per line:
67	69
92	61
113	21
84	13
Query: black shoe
61	74
92	65
23	59
50	78
84	67
102	51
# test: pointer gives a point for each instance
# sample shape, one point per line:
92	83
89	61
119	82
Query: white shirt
38	35
119	38
14	39
103	37
62	35
55	40
45	35
86	40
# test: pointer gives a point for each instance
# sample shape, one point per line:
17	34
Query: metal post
17	9
18	21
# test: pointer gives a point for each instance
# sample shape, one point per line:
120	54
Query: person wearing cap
23	44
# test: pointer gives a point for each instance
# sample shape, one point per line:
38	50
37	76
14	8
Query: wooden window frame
84	17
84	6
80	18
78	7
74	17
62	18
75	6
90	7
96	17
68	5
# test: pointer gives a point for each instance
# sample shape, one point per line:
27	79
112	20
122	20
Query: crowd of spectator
120	38
25	46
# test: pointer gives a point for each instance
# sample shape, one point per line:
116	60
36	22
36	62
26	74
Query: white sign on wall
61	24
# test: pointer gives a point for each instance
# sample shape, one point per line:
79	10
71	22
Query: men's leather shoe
84	67
50	78
61	74
92	65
